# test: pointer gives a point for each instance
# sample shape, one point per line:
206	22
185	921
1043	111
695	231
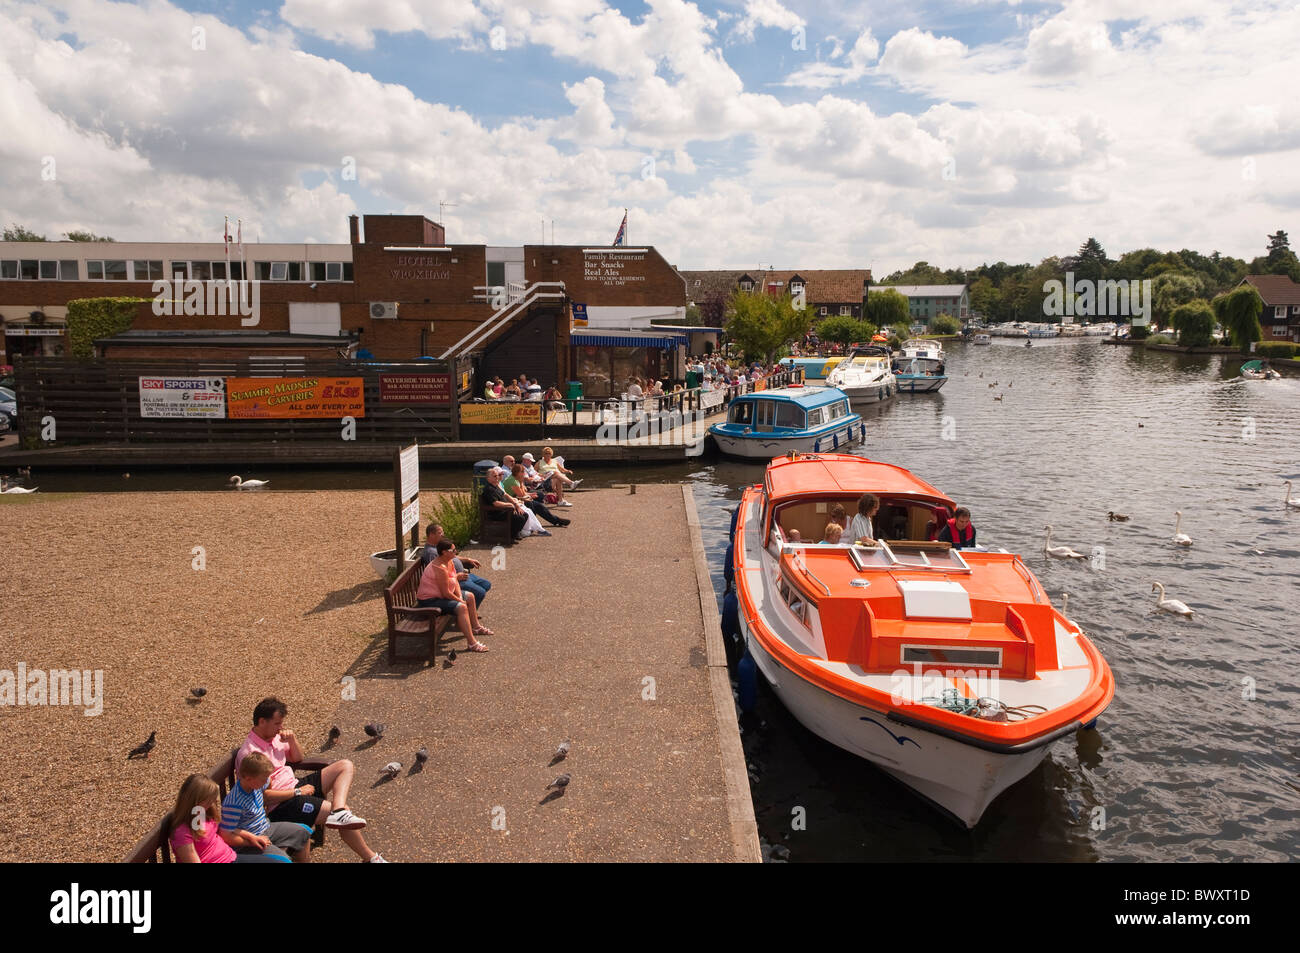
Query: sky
737	133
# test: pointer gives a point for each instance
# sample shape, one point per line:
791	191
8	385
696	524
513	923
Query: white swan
19	489
1290	503
1059	552
240	484
1181	538
1170	605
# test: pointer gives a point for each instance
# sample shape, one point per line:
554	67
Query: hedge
1276	349
92	318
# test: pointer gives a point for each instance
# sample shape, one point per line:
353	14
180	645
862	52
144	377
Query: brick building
396	291
1280	319
828	291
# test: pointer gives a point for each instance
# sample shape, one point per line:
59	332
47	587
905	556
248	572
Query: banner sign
579	315
410	514
191	397
410	472
711	398
415	388
522	413
295	397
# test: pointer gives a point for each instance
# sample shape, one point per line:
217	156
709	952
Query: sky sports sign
187	397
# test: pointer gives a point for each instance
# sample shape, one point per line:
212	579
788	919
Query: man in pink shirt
321	793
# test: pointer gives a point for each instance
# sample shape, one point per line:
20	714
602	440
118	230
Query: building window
29	269
844	311
106	270
277	270
746	286
1279	330
201	270
1295	309
333	271
496	274
9	269
147	270
69	271
49	270
822	311
180	270
1279	311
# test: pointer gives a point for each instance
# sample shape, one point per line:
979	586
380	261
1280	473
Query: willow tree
1238	311
762	324
885	306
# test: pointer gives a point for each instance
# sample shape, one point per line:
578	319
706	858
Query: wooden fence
98	401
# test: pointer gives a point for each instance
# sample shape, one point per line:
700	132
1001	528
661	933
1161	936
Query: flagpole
225	236
239	237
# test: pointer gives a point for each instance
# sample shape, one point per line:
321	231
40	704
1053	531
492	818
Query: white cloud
1064	46
765	13
915	51
824	75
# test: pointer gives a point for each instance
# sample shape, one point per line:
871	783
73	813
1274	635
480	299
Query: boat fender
731	616
835	441
747	682
735	514
728	567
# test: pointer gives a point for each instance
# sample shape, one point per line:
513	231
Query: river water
1196	757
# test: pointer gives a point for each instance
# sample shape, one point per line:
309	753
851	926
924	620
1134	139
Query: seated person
544	484
513	391
534	390
937	523
495	498
959	531
833	533
552	464
554	399
514	485
468	581
243	815
439	589
860	528
194	829
837	514
634	391
794	536
489	391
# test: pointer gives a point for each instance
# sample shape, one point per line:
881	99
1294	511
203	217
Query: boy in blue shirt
244	811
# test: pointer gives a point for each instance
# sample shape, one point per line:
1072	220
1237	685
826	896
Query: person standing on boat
861	529
959	531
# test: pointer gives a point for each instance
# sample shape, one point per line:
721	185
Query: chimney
354	229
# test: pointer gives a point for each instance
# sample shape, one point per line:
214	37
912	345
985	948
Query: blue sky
955	133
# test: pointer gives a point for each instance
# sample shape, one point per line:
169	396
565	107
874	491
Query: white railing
512	307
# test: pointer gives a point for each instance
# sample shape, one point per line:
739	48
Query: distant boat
920	367
865	375
767	423
983	339
1258	371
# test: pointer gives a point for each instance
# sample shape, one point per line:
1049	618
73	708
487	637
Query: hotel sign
420	268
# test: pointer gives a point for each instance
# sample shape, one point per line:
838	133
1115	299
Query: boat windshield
742	412
908	554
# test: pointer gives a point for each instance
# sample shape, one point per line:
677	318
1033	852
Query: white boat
982	339
948	668
865	375
919	367
762	424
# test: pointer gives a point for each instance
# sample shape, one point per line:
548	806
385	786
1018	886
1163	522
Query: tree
1238	311
1090	262
922	273
18	233
842	329
985	298
1168	291
885	306
1194	322
82	236
762	324
944	324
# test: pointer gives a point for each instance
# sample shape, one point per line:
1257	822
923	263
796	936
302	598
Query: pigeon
375	731
451	657
562	751
422	755
559	783
198	693
335	734
152	740
391	769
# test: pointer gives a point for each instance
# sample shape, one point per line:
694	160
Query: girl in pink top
195	833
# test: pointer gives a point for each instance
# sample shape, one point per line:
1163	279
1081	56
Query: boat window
789	415
742	412
983	657
816	417
763	414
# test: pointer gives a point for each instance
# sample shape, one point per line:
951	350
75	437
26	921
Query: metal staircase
518	300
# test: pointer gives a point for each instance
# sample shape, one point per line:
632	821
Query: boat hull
960	779
873	393
919	384
767	446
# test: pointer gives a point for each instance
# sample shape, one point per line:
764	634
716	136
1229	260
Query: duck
1170	605
1290	503
241	484
999	396
1180	538
1117	517
1059	552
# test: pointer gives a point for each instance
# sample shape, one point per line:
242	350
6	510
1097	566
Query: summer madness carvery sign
289	397
183	397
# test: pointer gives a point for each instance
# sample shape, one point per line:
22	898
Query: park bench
405	618
494	530
154	847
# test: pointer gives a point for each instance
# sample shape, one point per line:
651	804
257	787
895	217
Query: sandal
483	630
478	647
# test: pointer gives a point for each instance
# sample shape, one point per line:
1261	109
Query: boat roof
797	474
806	396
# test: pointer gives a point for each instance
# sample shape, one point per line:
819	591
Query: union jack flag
621	237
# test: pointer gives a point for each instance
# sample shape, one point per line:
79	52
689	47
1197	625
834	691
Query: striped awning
666	341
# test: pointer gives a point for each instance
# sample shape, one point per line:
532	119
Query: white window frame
283	267
17	271
846	311
1279	311
1280	330
70	261
1295	309
822	311
338	265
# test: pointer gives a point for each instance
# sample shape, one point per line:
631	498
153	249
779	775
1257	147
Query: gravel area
288	604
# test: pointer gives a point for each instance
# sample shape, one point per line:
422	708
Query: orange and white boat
949	669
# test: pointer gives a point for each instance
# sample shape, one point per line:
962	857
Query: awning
666	341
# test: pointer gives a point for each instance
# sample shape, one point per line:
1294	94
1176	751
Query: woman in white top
860	528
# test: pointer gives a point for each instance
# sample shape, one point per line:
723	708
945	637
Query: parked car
8	410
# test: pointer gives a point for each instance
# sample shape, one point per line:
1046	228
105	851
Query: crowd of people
269	814
956	530
521	388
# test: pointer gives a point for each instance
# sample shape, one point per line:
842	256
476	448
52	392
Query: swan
1181	538
1290	503
1170	605
1059	552
240	484
16	489
1117	517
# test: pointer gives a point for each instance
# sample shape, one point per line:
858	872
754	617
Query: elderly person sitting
514	486
503	507
440	589
551	464
534	481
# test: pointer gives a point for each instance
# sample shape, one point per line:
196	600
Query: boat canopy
806	397
812	473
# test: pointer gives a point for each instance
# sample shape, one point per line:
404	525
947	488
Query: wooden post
397	511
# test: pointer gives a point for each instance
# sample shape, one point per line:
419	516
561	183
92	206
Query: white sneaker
343	818
565	503
377	859
576	482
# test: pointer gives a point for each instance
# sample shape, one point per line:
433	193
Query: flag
621	237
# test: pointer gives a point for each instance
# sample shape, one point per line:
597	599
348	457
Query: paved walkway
602	640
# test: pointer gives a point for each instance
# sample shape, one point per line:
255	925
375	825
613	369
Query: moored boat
982	339
764	423
948	668
865	375
919	367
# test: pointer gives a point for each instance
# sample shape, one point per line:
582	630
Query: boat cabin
788	409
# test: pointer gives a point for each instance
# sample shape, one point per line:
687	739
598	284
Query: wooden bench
494	530
155	848
405	618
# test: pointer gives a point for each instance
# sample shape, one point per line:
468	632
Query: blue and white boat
814	368
919	367
767	423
